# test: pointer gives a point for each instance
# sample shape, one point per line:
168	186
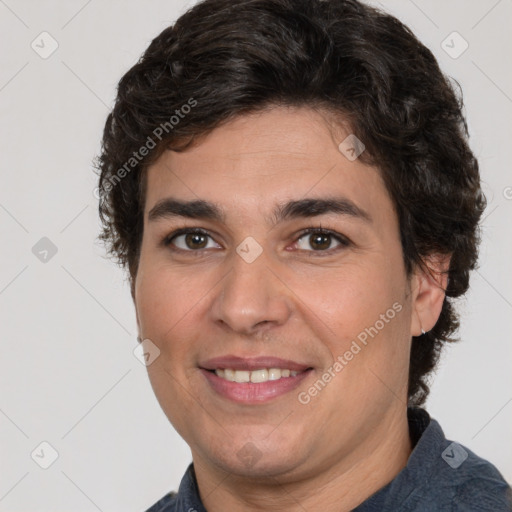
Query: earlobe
428	287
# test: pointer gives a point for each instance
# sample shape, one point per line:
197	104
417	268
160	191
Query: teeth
262	375
242	376
259	376
274	374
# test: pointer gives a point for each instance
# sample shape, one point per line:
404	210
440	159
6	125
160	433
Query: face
265	241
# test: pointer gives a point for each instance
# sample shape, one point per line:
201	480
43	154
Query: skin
293	302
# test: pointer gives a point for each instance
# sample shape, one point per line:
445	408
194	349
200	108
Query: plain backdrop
68	375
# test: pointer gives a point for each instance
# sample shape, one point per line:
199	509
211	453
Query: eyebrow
301	208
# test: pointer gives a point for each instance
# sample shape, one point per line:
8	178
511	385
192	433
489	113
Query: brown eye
321	241
196	241
191	241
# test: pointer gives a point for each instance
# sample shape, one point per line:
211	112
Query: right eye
190	240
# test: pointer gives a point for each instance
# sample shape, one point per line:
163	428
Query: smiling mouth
253	380
255	376
251	387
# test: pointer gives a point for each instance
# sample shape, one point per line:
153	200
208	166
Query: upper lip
252	363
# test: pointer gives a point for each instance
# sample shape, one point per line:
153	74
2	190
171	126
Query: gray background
67	372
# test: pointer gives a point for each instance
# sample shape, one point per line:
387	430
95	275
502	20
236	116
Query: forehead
263	159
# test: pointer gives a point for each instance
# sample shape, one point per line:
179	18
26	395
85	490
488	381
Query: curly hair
226	58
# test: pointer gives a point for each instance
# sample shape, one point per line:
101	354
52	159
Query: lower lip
254	392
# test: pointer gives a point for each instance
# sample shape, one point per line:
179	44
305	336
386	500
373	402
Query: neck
338	486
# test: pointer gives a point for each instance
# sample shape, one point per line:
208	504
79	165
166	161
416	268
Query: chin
268	466
245	458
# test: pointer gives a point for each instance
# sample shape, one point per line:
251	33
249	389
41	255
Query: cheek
168	302
351	297
167	297
362	315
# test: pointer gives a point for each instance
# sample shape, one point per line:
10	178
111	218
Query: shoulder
445	475
165	504
477	485
465	482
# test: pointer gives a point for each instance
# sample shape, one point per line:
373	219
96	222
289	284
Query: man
290	186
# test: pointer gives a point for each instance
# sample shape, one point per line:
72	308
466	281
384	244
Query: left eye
320	241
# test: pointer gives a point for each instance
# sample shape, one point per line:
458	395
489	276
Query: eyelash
343	241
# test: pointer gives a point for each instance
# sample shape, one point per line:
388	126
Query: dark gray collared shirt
440	476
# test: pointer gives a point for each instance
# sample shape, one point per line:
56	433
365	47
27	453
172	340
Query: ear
428	286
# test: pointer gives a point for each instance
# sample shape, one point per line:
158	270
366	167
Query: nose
252	296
